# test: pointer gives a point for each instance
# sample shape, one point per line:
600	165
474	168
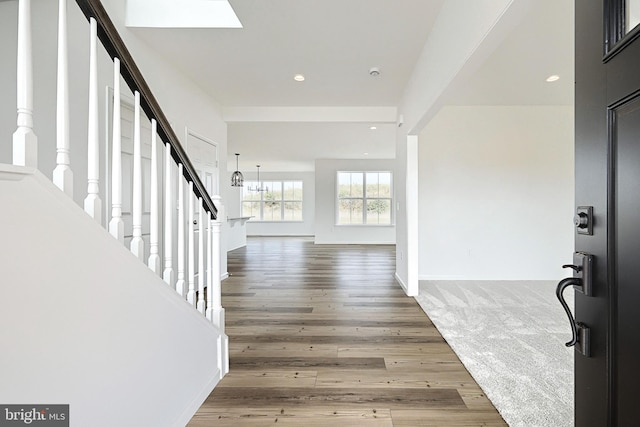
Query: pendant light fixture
237	180
258	186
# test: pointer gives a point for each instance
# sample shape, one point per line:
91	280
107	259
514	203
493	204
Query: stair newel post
167	274
180	284
191	294
154	222
25	141
92	203
62	174
215	288
201	256
137	244
116	225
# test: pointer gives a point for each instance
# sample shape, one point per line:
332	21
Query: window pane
350	211
384	184
272	211
251	209
292	190
379	211
293	211
298	190
344	184
373	189
357	183
350	184
274	190
250	195
288	190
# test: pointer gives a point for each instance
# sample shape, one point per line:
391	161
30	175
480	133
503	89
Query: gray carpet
510	336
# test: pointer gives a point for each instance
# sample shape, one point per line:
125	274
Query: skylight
181	14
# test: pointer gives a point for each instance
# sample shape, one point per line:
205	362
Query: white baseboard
401	282
197	402
352	243
442	277
224	276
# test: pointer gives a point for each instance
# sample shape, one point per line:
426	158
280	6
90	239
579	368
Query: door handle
564	284
581	281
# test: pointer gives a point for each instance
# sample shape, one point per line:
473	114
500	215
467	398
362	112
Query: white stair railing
180	284
167	274
154	256
161	238
191	294
137	244
92	203
201	256
116	225
25	141
62	174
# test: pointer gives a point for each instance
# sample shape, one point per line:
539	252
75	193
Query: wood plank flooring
322	335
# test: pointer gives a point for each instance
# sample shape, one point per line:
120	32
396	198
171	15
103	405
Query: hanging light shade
237	180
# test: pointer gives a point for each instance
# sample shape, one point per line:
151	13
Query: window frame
282	201
364	199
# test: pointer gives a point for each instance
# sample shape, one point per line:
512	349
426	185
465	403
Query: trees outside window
281	201
364	198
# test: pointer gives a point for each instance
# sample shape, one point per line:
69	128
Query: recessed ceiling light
298	77
366	154
373	127
553	78
374	71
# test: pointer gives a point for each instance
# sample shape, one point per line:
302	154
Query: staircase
103	305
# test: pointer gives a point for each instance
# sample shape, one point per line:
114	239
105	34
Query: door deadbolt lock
584	220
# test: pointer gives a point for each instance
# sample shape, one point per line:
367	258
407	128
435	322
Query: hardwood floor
322	335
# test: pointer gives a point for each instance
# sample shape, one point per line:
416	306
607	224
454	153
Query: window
364	198
282	201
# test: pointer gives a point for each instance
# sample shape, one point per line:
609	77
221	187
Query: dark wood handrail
115	47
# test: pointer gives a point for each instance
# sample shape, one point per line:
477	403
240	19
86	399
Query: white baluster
62	174
209	265
180	284
154	255
215	312
167	274
137	244
191	295
25	141
92	203
116	225
201	254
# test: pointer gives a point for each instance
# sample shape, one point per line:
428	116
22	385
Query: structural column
412	216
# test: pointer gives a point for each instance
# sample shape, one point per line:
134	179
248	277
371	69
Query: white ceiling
334	43
514	74
281	146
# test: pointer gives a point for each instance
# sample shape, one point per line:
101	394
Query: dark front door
608	179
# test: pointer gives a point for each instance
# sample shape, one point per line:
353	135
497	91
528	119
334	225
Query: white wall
326	230
464	35
496	193
85	322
